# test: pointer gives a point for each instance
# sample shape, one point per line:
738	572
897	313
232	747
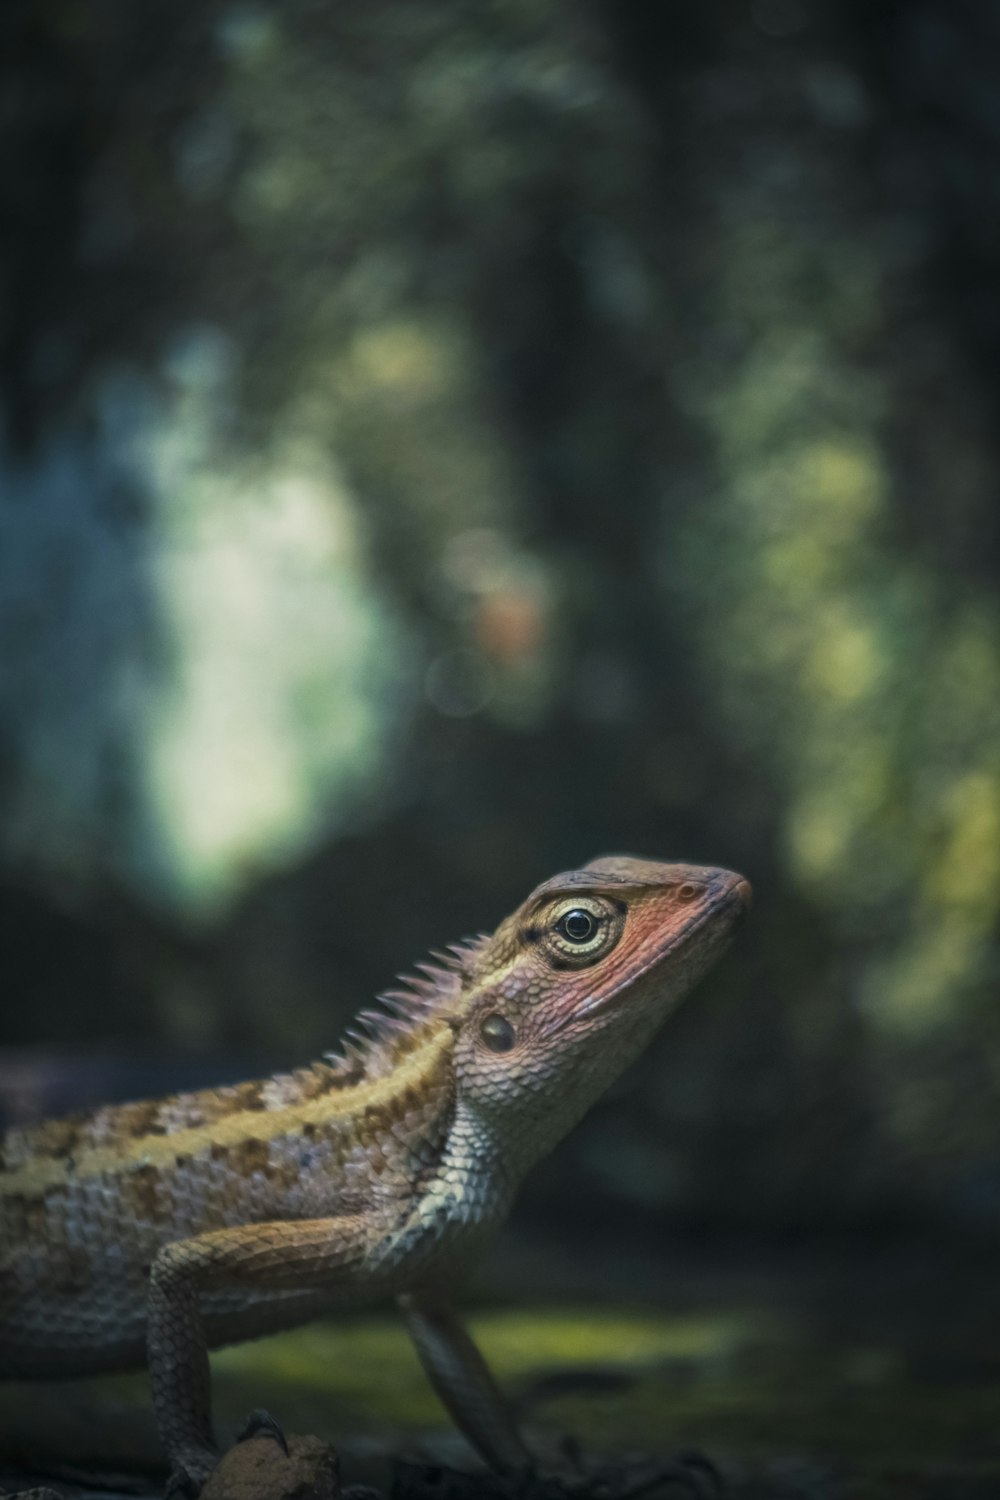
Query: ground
850	1372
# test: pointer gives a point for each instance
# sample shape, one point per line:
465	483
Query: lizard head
571	987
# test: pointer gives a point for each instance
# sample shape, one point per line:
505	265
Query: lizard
150	1232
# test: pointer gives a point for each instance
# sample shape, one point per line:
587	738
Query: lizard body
149	1232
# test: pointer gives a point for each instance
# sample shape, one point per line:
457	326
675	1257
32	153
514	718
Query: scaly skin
151	1232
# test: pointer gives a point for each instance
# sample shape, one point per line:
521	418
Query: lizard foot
37	1492
190	1470
260	1423
689	1475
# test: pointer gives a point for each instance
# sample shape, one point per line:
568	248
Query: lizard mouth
732	902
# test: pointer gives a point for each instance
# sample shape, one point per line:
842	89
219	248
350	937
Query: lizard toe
260	1423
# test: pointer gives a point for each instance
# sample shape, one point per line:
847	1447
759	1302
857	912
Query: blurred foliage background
442	443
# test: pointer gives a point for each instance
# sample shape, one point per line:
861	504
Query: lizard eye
582	931
577	925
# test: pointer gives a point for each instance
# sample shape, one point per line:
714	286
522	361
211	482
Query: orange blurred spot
509	626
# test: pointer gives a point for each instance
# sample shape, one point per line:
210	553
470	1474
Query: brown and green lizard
151	1232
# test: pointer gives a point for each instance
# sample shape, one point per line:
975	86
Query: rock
257	1469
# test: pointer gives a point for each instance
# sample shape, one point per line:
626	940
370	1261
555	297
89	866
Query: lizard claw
260	1423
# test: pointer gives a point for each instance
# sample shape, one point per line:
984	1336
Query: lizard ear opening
497	1032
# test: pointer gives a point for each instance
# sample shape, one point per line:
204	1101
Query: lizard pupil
497	1032
578	925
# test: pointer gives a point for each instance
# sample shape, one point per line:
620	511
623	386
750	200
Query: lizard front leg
255	1258
462	1378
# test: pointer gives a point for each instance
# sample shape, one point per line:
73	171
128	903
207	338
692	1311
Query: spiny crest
377	1039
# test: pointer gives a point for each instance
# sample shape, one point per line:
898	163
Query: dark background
442	443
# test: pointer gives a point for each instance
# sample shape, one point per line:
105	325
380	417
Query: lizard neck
457	1208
